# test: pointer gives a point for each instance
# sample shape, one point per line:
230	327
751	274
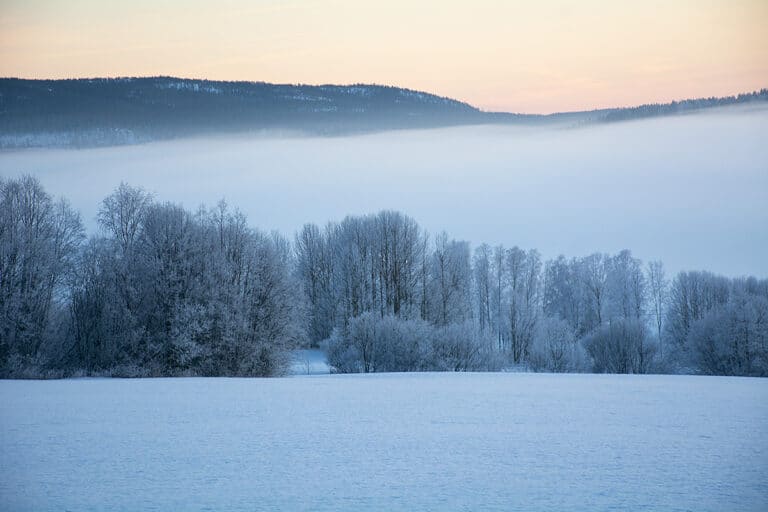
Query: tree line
684	106
164	291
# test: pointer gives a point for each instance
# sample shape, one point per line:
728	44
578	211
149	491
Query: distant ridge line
86	112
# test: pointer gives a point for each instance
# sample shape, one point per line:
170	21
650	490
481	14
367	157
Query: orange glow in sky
535	57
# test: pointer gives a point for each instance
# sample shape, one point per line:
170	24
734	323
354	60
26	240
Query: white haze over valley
689	190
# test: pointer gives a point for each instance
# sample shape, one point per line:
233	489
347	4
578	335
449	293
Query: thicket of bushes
372	343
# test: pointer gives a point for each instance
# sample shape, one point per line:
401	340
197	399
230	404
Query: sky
531	57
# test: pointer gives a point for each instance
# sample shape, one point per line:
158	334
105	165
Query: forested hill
126	110
107	111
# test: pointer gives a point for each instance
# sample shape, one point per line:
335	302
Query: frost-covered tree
161	290
450	278
625	287
594	275
658	286
691	296
39	240
378	265
732	339
523	278
497	299
481	272
315	270
104	329
564	293
122	213
183	293
399	239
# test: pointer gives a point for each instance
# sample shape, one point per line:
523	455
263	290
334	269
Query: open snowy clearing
386	442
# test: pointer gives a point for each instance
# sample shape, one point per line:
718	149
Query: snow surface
386	442
309	362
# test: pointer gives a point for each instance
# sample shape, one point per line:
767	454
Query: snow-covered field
386	442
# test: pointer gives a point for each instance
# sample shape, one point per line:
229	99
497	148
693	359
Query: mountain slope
106	111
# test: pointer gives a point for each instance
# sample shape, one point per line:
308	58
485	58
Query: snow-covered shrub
556	349
460	347
372	343
402	345
621	347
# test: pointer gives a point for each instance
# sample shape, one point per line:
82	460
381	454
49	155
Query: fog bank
689	190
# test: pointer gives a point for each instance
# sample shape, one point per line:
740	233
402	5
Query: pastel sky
536	57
